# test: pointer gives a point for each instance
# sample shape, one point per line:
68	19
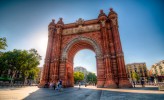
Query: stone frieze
81	29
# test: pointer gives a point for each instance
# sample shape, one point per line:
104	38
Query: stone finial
80	21
101	11
52	23
112	13
111	9
53	20
60	21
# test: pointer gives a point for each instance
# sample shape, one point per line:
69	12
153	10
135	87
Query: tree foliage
22	61
91	78
3	43
78	76
135	76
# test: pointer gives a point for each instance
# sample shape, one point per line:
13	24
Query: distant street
85	93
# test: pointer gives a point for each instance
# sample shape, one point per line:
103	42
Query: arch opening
70	52
84	61
82	42
85	58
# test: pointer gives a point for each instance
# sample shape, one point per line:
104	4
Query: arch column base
125	84
110	84
41	84
100	84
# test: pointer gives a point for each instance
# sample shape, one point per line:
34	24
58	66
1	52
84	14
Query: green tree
11	61
3	43
25	62
31	61
33	73
91	78
3	64
78	76
135	76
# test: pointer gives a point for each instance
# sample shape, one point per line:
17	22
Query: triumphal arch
100	35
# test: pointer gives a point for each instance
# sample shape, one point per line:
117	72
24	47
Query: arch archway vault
99	35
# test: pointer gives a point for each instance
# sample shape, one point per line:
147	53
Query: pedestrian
85	84
51	84
79	84
46	85
60	85
57	86
134	84
155	81
142	82
54	85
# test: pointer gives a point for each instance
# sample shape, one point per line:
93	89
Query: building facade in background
139	68
157	72
157	68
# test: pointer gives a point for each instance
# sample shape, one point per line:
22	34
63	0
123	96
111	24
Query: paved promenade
85	93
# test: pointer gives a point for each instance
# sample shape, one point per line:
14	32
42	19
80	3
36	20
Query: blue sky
141	25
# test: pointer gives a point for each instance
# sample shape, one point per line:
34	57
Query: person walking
142	82
85	84
134	84
54	85
60	85
79	84
57	86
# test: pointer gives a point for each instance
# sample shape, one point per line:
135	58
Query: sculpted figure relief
81	28
80	21
114	21
103	23
58	30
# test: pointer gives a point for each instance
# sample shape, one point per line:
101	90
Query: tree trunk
13	76
25	80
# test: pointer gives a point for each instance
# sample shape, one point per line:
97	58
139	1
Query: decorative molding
120	54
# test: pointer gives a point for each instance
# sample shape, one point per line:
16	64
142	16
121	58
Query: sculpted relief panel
81	29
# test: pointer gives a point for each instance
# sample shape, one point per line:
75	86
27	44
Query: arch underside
77	47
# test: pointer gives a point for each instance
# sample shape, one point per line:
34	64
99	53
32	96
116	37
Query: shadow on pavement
144	88
94	94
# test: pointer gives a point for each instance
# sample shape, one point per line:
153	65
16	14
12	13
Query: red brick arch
99	35
80	43
73	46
